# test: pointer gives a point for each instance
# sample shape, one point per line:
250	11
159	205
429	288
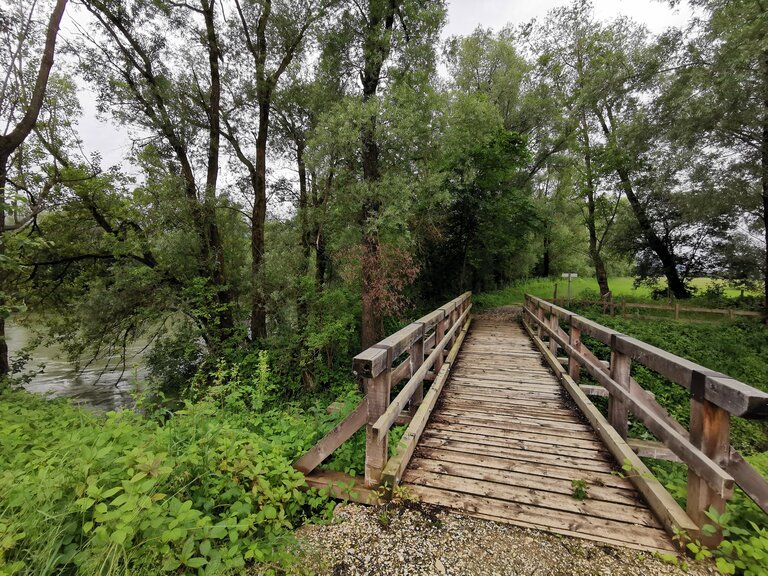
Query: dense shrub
88	494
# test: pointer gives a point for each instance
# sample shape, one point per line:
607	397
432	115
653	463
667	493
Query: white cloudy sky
463	17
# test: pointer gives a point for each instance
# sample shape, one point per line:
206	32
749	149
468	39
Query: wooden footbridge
506	431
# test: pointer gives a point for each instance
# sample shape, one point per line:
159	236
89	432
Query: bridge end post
618	411
710	433
416	358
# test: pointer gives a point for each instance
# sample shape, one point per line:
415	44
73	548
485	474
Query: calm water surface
101	385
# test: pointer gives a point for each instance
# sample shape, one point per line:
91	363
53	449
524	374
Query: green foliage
579	489
86	494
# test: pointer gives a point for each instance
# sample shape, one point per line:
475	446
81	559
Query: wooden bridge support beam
554	324
416	358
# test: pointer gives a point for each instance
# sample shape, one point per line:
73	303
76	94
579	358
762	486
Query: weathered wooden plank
371	362
594	452
576	524
430	320
393	471
388	416
493	428
558	502
377	390
517	480
396	465
736	397
403	339
335	438
428	440
516	421
672	516
652	449
602	477
719	480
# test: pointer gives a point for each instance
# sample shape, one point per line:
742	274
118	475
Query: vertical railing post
540	315
554	323
618	415
377	390
710	433
416	353
574	339
439	335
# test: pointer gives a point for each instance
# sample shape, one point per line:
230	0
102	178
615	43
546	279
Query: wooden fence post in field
710	433
677	310
618	413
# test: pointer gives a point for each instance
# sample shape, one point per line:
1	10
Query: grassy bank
207	490
587	288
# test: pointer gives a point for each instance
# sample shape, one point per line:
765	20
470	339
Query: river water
102	385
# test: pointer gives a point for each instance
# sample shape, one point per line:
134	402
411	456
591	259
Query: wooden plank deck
505	444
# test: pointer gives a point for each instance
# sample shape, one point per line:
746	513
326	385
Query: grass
582	288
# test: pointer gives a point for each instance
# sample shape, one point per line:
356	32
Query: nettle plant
84	494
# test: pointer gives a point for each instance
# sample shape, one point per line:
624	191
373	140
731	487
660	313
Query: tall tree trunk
764	178
9	142
215	253
656	244
546	261
668	261
258	308
594	244
4	360
376	48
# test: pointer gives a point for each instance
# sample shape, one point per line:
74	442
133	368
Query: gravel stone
420	540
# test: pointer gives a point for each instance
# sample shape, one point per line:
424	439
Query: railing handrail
372	361
713	464
425	341
737	398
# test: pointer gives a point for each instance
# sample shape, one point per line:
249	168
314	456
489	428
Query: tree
485	223
273	34
721	96
20	110
173	93
389	46
604	73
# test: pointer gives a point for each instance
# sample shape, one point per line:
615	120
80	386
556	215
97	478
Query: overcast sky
463	17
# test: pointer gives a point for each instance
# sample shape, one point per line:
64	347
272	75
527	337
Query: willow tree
604	74
172	92
20	107
272	34
720	99
384	45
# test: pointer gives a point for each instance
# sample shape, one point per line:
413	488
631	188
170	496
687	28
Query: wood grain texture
504	442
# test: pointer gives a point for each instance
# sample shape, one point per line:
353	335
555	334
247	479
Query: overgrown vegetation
206	489
566	144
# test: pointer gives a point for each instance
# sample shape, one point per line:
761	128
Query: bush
90	494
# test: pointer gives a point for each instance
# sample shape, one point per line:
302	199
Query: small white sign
570	275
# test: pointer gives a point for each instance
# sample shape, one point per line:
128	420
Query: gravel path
420	540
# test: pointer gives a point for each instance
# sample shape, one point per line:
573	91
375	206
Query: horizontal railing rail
714	466
416	353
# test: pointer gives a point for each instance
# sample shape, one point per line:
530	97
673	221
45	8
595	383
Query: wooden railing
415	354
714	466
